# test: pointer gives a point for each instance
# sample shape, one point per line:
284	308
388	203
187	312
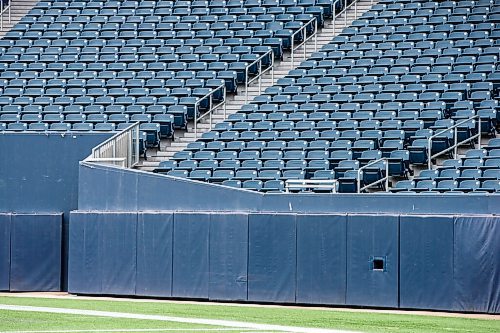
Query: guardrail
4	9
211	107
455	139
313	22
344	10
258	62
122	149
300	184
382	180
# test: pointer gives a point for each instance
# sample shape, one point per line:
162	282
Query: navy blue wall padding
477	264
129	190
84	261
154	254
426	262
228	256
35	252
44	178
191	237
369	238
4	251
321	259
272	258
118	251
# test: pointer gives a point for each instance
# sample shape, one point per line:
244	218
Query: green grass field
299	317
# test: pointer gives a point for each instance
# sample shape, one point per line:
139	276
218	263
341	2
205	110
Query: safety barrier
344	10
301	184
3	10
303	30
258	62
384	180
122	149
211	106
455	139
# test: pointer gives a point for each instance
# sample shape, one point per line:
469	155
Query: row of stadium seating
380	89
94	65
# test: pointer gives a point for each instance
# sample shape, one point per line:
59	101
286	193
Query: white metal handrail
344	10
261	72
381	180
303	29
121	149
455	139
2	11
299	184
211	106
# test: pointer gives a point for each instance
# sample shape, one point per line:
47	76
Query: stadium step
19	8
235	102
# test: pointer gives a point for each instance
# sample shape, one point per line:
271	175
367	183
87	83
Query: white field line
133	330
200	321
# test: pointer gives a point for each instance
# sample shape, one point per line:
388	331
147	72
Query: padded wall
477	264
426	262
154	254
4	251
190	275
117	246
321	259
84	260
102	258
228	257
272	258
371	238
35	252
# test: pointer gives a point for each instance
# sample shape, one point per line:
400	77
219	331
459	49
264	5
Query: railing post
479	132
429	155
315	35
386	175
292	51
355	9
246	85
455	140
345	12
224	93
1	15
358	181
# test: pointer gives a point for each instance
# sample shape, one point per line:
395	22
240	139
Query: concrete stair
235	102
19	8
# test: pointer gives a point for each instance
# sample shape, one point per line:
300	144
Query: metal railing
313	22
300	184
261	72
344	10
4	9
122	149
211	107
385	179
455	139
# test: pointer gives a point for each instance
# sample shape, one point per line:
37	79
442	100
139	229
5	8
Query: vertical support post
386	175
1	15
355	9
315	35
479	132
358	181
225	101
455	140
246	85
292	50
345	12
429	145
